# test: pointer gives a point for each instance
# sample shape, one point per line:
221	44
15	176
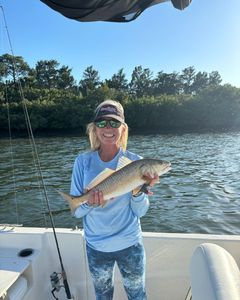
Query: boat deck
167	273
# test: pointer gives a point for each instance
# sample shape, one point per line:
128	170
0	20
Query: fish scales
123	180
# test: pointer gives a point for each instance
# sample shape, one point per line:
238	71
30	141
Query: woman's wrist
137	194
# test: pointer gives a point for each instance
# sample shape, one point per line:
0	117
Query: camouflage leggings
131	263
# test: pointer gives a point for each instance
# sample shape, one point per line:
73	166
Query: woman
112	231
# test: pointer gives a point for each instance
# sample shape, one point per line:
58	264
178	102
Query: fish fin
122	162
66	197
99	178
136	190
73	202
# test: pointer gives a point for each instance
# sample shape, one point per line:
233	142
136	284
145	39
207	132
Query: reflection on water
200	193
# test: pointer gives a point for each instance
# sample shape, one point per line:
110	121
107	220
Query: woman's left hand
151	180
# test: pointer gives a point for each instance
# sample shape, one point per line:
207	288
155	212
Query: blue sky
205	35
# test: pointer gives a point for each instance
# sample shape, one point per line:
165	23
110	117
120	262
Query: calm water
200	194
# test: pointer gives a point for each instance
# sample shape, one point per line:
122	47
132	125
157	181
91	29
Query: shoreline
60	133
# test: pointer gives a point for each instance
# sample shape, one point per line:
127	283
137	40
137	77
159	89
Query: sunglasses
112	123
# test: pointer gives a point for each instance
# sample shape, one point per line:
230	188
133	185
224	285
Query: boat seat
18	290
12	284
214	274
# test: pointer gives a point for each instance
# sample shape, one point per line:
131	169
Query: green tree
46	73
187	79
214	78
90	81
64	78
167	84
118	81
200	82
13	68
49	75
141	82
218	107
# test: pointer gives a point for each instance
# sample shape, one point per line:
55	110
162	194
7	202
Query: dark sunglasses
112	123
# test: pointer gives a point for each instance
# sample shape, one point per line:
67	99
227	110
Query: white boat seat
10	271
214	274
17	290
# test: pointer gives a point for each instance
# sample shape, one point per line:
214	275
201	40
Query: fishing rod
54	276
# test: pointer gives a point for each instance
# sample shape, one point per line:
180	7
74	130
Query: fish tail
73	202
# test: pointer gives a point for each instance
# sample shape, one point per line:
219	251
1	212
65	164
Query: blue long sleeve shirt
116	225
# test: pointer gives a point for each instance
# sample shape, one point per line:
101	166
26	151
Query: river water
201	194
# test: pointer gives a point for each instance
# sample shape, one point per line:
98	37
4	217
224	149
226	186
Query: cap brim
118	118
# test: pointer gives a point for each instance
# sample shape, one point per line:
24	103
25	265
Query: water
200	194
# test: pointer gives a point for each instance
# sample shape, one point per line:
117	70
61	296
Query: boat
50	263
30	268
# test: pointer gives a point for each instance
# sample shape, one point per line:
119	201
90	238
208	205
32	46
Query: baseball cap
111	109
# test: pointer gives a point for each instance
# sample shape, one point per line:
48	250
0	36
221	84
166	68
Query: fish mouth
166	168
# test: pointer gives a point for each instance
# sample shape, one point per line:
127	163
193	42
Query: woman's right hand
95	198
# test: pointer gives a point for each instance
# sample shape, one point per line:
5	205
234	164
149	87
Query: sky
205	35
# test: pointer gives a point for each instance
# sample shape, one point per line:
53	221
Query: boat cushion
18	289
10	270
214	274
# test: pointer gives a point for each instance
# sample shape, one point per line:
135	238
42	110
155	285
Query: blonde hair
95	143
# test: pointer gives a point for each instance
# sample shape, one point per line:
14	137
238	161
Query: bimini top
107	10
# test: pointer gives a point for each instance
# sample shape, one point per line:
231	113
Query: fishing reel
55	282
55	279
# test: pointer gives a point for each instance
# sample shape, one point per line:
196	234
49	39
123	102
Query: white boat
28	257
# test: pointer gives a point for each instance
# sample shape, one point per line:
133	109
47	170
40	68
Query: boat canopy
107	10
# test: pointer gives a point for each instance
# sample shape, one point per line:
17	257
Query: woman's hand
95	198
151	180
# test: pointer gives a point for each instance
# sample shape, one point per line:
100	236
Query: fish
128	176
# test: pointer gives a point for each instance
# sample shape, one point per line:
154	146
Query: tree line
187	100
